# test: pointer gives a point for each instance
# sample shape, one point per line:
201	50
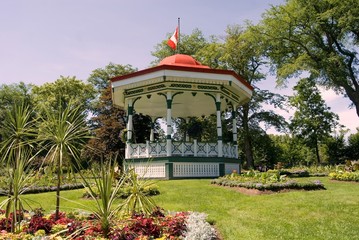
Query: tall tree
243	54
313	121
107	121
317	37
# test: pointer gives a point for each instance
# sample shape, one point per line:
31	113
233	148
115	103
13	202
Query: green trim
181	85
174	159
218	106
129	92
169	103
206	87
136	99
208	94
162	94
130	110
169	170
222	171
233	114
156	87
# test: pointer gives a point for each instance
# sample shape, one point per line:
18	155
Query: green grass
324	214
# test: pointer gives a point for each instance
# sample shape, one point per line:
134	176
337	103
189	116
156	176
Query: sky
41	40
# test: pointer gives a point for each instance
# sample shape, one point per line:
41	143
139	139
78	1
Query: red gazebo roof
182	60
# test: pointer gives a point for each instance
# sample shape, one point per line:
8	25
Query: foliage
265	181
10	95
190	45
344	176
156	225
137	200
63	133
353	146
107	121
241	53
315	37
64	92
313	121
16	156
105	209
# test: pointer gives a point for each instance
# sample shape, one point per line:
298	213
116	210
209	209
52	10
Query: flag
172	42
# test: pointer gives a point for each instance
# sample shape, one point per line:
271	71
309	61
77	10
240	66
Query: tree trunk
248	151
57	213
317	153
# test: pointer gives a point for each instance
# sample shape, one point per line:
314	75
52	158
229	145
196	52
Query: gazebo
181	87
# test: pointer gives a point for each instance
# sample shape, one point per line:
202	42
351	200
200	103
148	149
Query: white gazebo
181	87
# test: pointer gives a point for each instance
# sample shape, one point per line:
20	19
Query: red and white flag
172	42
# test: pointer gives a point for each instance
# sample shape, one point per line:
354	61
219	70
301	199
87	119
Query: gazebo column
152	133
169	123
234	130
219	125
129	127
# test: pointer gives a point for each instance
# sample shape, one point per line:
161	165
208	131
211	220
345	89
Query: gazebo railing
181	149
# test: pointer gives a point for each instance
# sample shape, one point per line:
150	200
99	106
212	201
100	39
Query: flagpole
178	42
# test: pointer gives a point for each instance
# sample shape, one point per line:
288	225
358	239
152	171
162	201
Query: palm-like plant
103	190
16	154
138	200
20	177
62	133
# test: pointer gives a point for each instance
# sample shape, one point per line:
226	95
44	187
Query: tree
336	149
190	45
11	95
62	92
312	121
320	38
241	53
353	146
107	121
63	133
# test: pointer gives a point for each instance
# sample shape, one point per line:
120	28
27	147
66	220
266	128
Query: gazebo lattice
181	87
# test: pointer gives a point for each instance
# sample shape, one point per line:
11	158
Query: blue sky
43	39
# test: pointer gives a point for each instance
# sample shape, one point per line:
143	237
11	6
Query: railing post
195	147
182	148
147	148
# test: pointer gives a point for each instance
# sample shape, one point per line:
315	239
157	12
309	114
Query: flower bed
345	176
265	182
157	225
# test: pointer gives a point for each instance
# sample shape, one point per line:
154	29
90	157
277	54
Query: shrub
344	176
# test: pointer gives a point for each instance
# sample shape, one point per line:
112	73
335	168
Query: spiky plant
103	190
15	152
62	133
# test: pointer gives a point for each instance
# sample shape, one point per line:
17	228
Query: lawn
324	214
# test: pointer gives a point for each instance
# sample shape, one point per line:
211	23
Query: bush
271	181
344	176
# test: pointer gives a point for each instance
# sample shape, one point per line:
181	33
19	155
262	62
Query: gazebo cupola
181	87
